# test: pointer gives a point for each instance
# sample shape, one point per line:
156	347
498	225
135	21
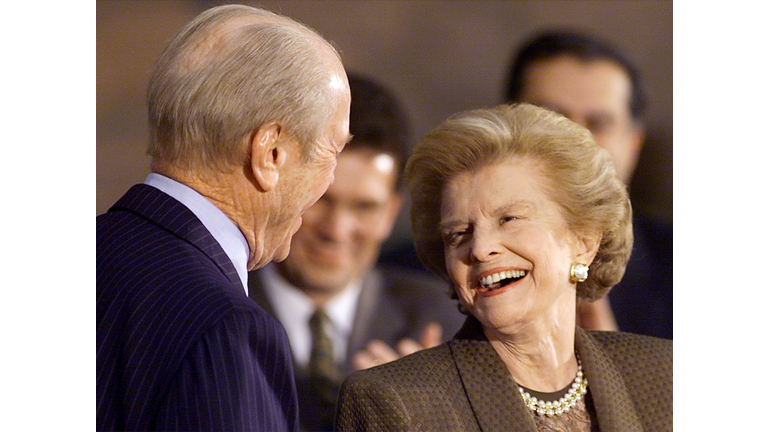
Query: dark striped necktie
321	360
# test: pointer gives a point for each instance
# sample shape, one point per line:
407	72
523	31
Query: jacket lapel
368	307
485	379
487	382
614	407
164	210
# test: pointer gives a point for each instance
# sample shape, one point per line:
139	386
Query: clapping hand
377	352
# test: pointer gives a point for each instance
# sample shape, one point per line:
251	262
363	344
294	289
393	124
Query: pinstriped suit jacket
463	385
179	346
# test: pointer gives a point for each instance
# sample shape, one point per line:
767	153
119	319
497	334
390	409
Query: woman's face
508	250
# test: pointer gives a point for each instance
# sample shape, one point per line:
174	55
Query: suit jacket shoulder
630	379
420	392
167	296
156	262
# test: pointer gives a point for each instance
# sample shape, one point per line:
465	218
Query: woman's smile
497	282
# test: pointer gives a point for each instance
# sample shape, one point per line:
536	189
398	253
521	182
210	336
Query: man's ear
635	142
393	210
267	155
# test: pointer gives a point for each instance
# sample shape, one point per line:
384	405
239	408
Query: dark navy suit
179	345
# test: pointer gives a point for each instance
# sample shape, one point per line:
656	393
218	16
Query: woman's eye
508	219
454	237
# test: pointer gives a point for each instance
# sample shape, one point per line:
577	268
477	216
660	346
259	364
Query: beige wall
438	56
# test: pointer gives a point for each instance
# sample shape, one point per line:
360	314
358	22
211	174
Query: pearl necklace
564	404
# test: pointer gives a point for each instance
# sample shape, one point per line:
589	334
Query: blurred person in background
591	82
341	311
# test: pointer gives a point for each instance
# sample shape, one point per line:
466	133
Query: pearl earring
579	272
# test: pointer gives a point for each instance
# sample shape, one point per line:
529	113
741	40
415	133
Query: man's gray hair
229	71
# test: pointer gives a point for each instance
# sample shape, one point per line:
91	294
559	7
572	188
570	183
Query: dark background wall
439	57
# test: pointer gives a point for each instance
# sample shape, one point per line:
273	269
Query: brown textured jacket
463	385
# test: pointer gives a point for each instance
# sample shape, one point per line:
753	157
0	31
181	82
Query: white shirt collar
223	230
294	309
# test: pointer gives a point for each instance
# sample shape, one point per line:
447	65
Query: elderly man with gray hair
247	110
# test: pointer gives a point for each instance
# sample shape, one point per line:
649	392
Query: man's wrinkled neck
230	192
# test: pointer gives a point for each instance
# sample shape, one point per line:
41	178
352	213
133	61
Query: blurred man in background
592	83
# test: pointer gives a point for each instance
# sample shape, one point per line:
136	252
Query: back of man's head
377	121
556	43
229	71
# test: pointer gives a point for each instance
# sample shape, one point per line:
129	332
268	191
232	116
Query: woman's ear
267	155
587	247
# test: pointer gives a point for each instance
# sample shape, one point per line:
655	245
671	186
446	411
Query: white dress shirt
294	309
223	230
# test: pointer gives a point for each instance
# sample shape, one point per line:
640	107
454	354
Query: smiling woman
533	218
511	225
580	180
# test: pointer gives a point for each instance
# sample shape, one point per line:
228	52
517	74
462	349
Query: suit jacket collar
165	211
368	306
485	379
487	382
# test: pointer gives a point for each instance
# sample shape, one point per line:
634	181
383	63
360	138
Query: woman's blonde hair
579	176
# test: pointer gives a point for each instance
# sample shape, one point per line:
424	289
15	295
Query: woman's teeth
488	281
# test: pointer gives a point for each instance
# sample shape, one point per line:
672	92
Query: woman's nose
485	245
